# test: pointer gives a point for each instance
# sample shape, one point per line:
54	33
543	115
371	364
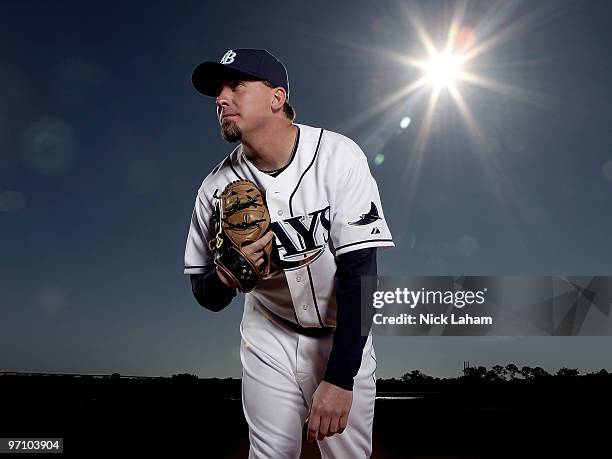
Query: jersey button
298	278
305	307
280	212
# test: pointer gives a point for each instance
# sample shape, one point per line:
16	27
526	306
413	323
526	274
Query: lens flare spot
379	159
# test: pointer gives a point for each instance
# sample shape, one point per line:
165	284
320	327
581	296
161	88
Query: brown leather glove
241	218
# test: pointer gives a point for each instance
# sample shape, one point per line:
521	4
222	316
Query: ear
278	98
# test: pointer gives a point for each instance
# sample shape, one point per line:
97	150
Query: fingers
342	424
333	426
266	272
324	428
259	244
313	427
260	261
255	250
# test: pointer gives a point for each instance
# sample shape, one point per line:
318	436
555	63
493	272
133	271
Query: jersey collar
283	170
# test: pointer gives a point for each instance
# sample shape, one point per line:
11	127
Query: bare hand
329	411
253	252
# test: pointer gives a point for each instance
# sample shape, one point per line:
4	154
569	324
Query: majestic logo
287	255
229	57
366	219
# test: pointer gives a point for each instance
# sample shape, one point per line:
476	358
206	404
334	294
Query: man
303	355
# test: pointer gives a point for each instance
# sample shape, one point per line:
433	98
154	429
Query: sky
104	143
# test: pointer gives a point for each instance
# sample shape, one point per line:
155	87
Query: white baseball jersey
325	203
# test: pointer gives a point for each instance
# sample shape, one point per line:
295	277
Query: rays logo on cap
229	57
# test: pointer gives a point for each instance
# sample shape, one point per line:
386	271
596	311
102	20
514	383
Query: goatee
230	131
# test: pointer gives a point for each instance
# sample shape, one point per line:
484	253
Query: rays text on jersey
312	239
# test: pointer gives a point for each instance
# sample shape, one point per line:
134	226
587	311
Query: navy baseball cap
252	64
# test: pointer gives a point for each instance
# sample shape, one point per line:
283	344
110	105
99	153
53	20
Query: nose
223	98
220	106
221	101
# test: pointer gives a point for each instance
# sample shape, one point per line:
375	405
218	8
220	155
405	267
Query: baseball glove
241	218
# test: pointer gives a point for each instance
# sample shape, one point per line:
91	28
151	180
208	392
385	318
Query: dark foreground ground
187	418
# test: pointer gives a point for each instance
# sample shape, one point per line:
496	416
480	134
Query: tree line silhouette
510	372
204	415
497	373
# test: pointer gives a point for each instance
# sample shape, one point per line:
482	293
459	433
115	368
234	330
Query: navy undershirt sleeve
347	349
210	292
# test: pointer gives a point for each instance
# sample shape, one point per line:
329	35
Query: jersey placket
278	191
297	279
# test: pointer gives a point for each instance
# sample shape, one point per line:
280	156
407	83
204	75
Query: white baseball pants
280	372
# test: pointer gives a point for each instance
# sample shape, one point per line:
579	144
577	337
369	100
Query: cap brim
207	77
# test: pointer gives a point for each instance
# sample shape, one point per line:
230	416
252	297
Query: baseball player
304	358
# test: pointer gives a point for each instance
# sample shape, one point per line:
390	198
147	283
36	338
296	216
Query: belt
308	331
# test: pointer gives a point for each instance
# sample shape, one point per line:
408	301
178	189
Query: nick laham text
432	319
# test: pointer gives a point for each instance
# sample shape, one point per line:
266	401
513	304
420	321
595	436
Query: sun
448	67
443	70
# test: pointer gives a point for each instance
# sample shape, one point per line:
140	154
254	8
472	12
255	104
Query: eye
231	84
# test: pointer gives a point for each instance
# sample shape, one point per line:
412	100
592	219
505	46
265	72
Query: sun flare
443	70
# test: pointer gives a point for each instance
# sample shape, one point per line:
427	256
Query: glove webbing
236	206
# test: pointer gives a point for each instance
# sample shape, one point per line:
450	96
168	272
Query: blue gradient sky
103	144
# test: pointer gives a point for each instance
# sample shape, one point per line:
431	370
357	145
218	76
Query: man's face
241	106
